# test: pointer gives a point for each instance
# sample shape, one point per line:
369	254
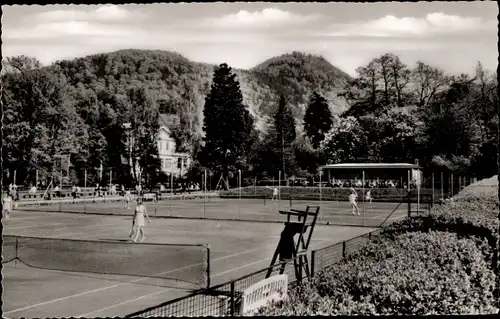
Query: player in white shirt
7	205
352	201
369	196
138	222
32	190
128	198
275	193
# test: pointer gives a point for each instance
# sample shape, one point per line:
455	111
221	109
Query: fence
225	299
445	184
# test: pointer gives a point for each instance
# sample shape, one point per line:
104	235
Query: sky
453	36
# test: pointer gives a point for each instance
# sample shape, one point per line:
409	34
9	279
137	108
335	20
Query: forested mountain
169	77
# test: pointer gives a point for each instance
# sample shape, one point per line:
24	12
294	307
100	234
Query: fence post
313	257
343	249
233	301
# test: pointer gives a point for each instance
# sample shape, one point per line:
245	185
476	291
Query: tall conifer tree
227	125
317	120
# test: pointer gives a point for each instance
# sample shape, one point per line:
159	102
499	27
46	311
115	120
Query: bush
417	273
442	263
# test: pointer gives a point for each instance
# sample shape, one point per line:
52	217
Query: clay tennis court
237	248
249	209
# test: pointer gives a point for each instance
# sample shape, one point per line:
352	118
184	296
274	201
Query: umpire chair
289	249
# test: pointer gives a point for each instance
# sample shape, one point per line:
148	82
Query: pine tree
317	120
227	125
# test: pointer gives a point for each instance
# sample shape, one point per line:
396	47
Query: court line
169	289
127	283
218	234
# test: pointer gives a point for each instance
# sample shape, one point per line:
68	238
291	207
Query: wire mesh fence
221	300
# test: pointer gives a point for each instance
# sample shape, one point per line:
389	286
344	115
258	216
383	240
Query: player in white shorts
128	198
275	193
369	196
352	201
138	222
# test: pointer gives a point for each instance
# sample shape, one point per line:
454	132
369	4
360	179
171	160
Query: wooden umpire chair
287	247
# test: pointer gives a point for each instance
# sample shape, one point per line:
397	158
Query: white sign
269	290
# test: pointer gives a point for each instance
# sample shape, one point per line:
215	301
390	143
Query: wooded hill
170	77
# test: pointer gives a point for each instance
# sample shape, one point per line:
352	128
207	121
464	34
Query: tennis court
248	209
236	249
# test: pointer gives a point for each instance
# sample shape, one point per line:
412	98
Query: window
166	146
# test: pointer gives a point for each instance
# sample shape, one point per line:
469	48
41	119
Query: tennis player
352	201
7	205
275	193
32	190
127	199
368	196
138	222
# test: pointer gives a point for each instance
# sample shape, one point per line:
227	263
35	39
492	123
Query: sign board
269	290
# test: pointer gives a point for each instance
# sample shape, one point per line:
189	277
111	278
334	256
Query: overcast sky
450	35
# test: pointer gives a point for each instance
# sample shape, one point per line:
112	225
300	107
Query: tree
345	142
380	86
143	117
227	125
185	133
318	119
450	126
40	122
428	81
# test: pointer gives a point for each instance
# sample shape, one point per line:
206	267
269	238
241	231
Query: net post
208	265
343	249
16	251
233	301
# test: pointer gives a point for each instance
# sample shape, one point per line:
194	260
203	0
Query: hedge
443	263
415	274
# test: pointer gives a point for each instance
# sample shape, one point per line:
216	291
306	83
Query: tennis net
186	263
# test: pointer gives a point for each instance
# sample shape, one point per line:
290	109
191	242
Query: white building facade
172	162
